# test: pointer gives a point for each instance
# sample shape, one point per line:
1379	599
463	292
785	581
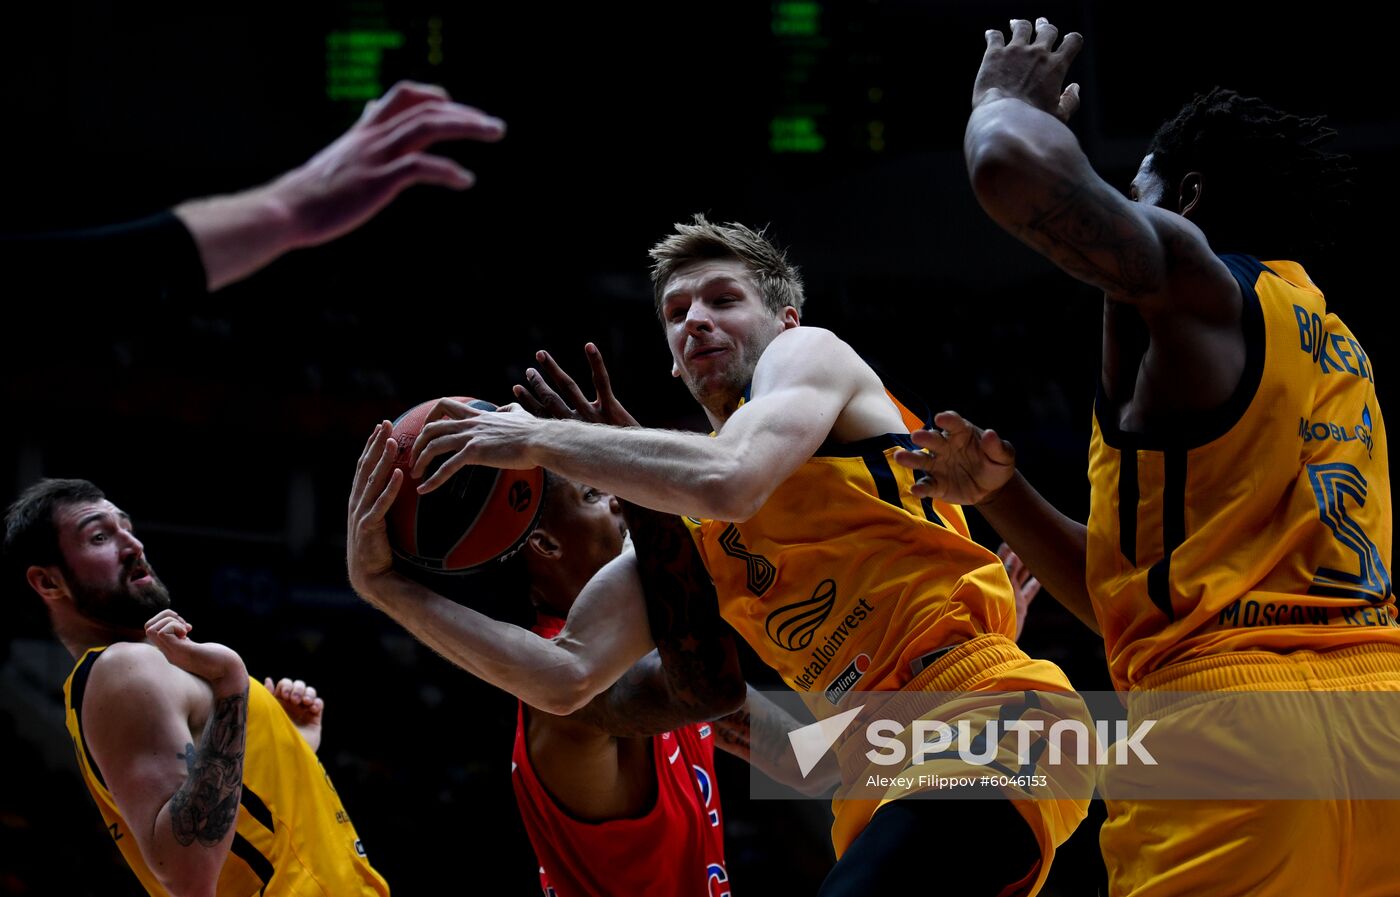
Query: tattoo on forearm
1093	240
696	646
206	806
733	732
758	733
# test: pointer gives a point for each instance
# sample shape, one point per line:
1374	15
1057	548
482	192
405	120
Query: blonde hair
776	278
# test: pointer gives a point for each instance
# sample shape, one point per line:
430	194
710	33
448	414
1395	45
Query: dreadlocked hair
1269	187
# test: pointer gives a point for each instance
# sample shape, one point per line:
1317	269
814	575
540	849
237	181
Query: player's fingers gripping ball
480	515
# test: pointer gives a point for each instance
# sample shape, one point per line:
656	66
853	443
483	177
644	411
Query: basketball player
1239	530
631	773
206	244
208	781
819	561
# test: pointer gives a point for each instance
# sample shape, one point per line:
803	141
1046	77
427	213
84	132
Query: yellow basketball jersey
293	836
1263	526
843	578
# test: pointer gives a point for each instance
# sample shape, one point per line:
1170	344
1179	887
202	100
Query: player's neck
720	409
552	598
79	634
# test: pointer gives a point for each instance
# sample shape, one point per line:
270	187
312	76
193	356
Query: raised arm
205	244
179	799
967	465
801	385
605	634
342	187
1032	178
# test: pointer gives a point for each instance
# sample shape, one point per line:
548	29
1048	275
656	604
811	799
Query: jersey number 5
1332	484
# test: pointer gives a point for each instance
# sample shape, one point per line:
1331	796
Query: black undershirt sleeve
152	258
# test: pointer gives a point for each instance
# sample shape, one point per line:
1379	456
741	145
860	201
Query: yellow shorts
1163	848
987	678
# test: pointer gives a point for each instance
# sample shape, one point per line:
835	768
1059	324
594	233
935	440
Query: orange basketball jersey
1265	525
843	578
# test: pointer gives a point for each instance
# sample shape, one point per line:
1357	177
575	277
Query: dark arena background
229	429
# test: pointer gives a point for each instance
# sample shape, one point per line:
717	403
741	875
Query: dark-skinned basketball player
1239	532
620	795
208	781
837	581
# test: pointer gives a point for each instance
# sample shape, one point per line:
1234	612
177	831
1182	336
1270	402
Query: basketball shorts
1251	724
985	680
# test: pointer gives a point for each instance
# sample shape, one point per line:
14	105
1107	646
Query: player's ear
543	544
790	317
1189	194
47	581
675	368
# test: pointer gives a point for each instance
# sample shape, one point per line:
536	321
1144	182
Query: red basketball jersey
676	849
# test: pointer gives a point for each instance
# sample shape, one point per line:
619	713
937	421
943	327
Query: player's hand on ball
466	435
216	664
303	706
368	556
962	463
540	395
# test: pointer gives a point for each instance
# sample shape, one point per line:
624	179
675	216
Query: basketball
480	515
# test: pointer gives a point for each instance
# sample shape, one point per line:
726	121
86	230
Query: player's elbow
574	686
733	494
736	508
996	162
1005	165
190	880
724	696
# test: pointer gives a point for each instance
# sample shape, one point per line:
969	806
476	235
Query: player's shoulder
133	670
805	337
1197	282
816	348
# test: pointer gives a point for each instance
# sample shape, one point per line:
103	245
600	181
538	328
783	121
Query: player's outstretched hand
302	704
541	393
961	462
368	556
1029	67
383	154
341	187
216	664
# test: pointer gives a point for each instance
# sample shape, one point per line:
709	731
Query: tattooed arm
178	794
693	675
695	645
1031	176
758	734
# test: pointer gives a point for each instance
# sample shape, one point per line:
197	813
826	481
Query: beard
124	605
